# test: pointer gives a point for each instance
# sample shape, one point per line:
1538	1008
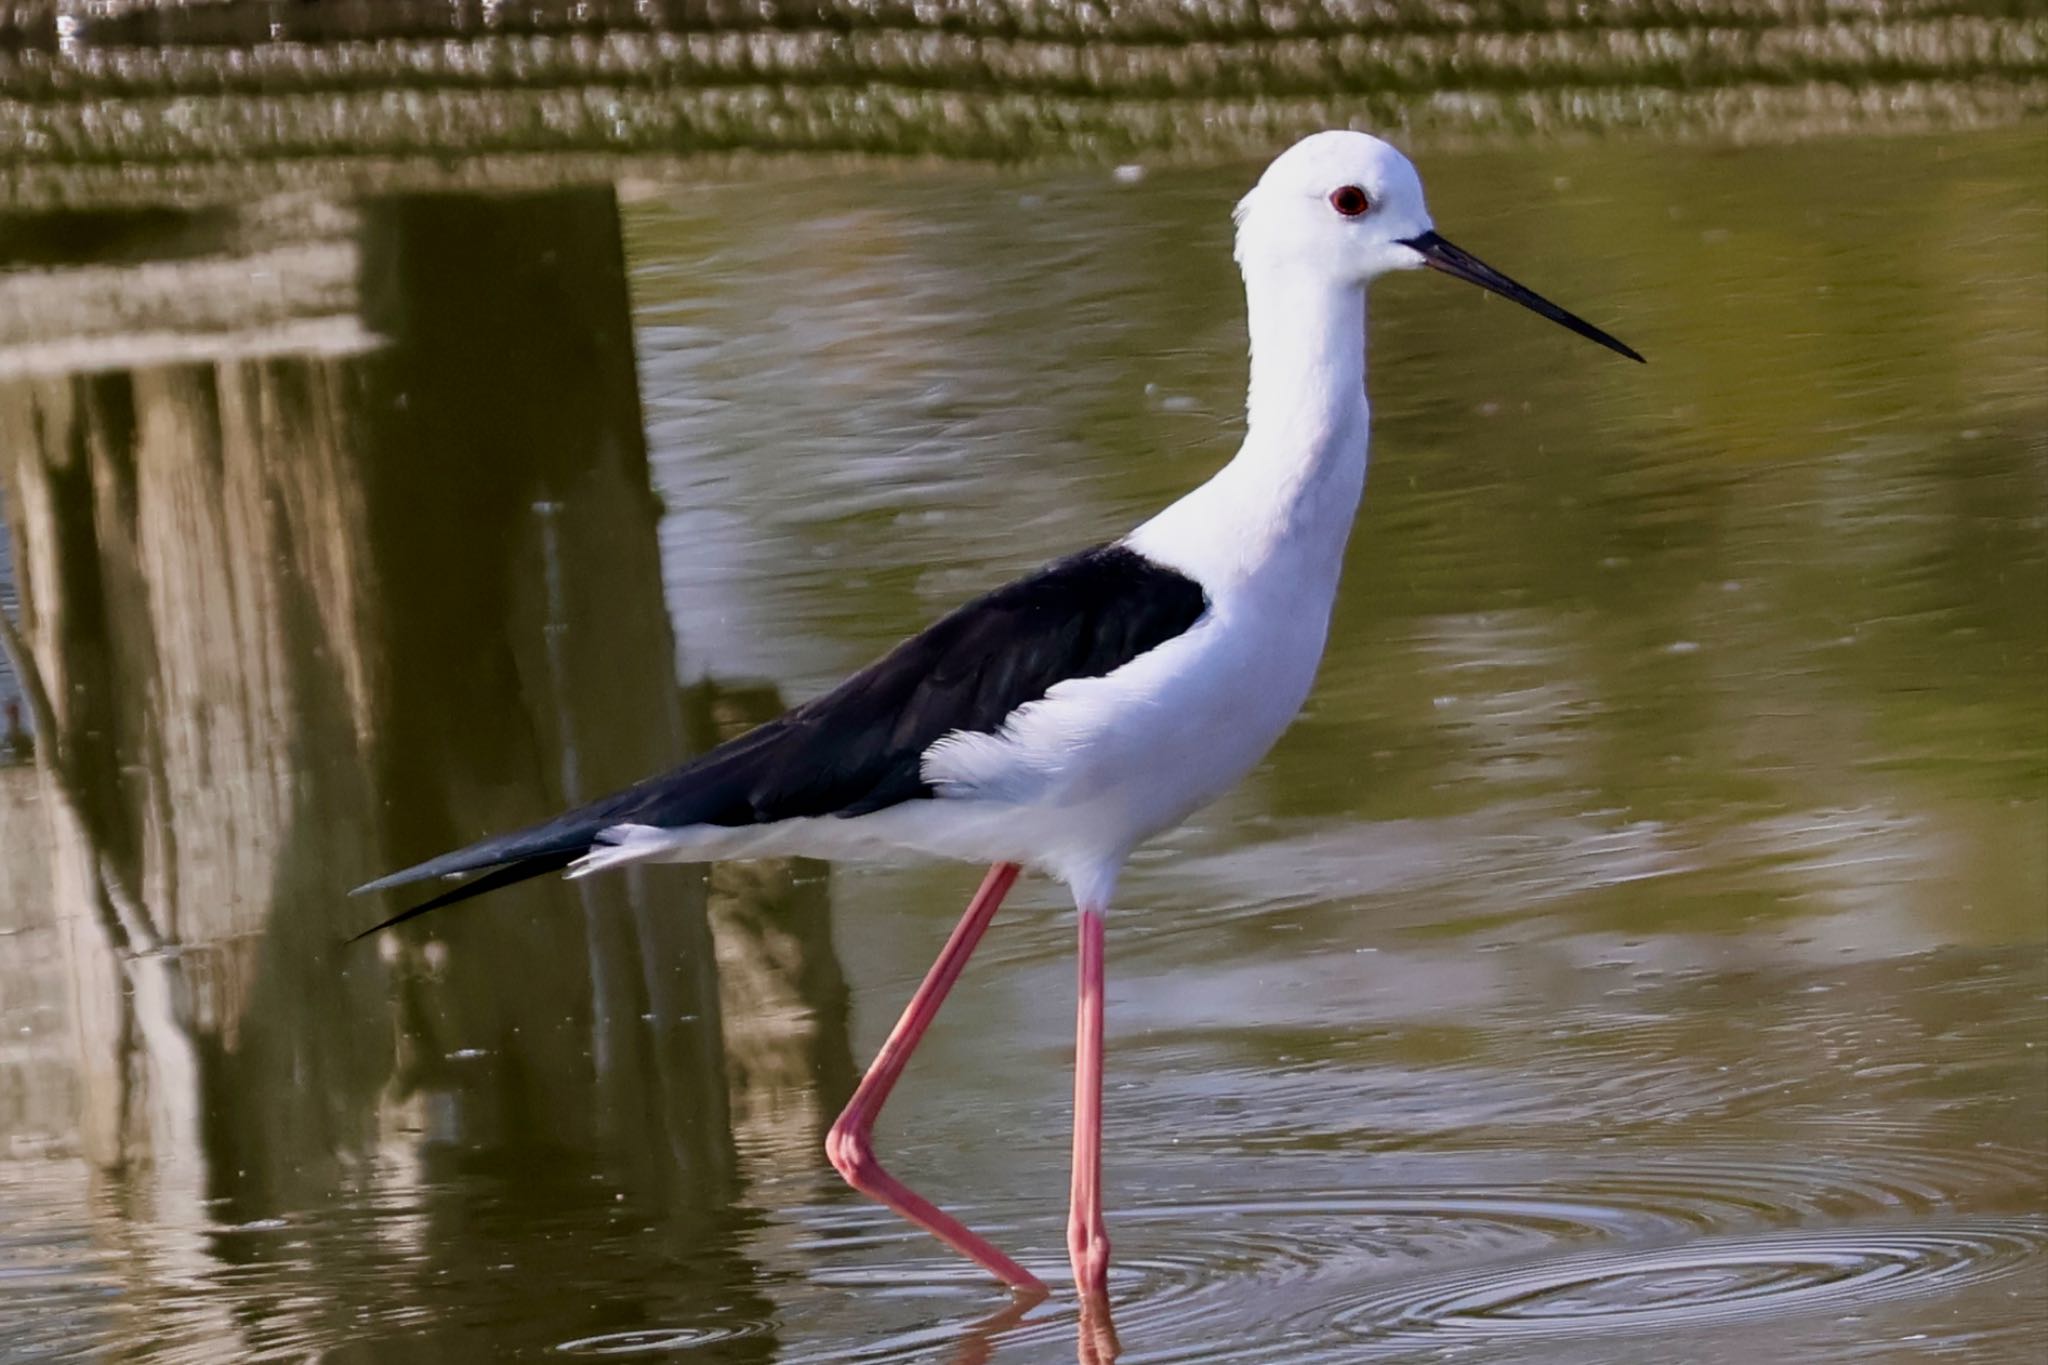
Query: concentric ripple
659	1340
1605	1241
1710	1281
1232	1247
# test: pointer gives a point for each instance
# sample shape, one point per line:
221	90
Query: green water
1634	953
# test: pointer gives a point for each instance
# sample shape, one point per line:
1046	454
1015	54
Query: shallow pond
1634	953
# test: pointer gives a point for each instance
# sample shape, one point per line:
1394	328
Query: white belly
1075	780
1072	782
1100	764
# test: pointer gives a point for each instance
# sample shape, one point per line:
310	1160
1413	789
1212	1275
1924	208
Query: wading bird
1061	720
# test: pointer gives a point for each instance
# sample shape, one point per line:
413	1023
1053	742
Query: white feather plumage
1072	782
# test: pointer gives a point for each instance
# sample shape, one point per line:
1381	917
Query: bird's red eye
1349	201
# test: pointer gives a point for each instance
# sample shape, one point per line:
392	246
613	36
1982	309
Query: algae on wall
139	100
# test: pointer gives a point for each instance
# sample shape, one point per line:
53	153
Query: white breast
1100	764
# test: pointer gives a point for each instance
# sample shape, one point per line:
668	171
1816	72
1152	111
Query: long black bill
1439	254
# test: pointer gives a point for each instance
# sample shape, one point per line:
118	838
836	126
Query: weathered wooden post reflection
788	1052
361	575
169	692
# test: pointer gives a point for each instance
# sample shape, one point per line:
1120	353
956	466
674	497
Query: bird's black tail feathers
506	859
860	747
506	875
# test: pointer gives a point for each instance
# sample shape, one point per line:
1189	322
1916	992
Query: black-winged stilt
1062	719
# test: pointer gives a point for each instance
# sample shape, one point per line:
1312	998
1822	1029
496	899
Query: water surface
1635	952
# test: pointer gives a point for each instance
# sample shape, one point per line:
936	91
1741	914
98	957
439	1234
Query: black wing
859	747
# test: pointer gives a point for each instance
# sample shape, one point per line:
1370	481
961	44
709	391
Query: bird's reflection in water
1096	1342
1095	1339
978	1344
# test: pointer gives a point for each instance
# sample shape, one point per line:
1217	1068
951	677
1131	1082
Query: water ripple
1695	1284
660	1340
1691	1237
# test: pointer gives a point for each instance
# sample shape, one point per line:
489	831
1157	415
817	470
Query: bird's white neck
1287	500
1307	360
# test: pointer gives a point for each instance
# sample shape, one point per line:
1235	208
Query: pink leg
850	1143
1087	1236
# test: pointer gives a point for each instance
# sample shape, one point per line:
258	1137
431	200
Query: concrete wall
146	100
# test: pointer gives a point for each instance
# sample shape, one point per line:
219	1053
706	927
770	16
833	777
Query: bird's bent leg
850	1144
1087	1236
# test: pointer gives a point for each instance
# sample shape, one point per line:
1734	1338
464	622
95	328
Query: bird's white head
1335	204
1342	208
